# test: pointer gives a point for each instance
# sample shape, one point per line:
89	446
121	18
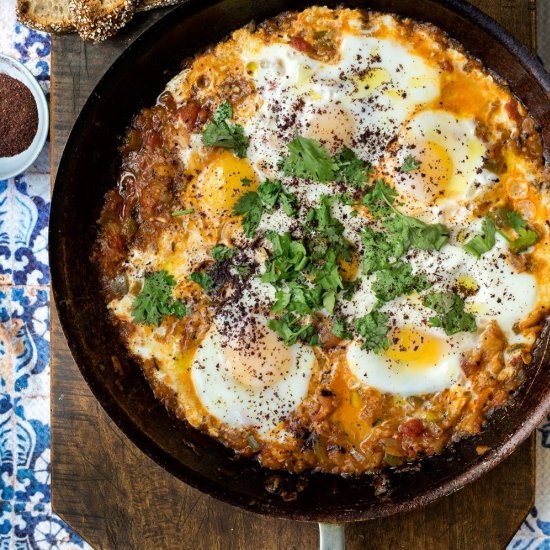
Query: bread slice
96	20
146	5
46	15
55	15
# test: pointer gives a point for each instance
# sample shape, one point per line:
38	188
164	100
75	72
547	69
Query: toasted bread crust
95	22
30	13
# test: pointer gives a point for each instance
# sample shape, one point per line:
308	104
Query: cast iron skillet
88	169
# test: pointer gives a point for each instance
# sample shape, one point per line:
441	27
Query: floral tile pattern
26	517
31	320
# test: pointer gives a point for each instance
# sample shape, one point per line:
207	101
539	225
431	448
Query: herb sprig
219	133
155	300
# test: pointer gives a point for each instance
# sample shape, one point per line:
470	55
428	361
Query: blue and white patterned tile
31	324
6	525
6	261
30	204
534	533
31	44
6	342
37	528
7	446
32	449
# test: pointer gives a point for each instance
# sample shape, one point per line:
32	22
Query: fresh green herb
480	244
373	328
249	204
242	270
345	198
272	192
517	223
381	249
341	329
526	237
224	111
155	300
218	133
203	280
183	212
309	159
380	198
452	317
253	204
352	169
221	252
396	281
416	233
288	260
326	232
290	329
409	164
246	182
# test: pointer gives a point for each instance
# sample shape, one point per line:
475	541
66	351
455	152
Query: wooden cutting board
117	498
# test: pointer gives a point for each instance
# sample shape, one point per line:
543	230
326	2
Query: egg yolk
436	167
257	358
414	349
349	269
332	125
220	185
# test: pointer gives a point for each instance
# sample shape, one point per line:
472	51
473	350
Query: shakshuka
328	246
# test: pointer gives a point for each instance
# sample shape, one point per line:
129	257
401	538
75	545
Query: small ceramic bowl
11	166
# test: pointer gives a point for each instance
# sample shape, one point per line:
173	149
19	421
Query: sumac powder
18	116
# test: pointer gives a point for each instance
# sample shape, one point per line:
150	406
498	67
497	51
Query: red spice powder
18	116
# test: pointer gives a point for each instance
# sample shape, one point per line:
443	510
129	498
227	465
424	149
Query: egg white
255	387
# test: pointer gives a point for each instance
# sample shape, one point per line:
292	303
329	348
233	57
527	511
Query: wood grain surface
117	498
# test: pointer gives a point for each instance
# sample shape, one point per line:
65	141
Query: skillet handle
332	536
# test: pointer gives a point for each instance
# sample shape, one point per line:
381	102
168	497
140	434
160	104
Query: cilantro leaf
341	329
515	220
380	198
155	300
309	159
326	232
290	330
409	164
480	244
249	204
373	328
221	252
218	133
203	280
224	111
396	281
526	237
246	182
289	258
452	317
272	192
380	249
415	232
352	169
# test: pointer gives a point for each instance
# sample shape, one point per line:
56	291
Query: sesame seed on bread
96	20
46	15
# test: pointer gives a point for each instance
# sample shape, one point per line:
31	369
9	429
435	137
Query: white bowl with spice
24	118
